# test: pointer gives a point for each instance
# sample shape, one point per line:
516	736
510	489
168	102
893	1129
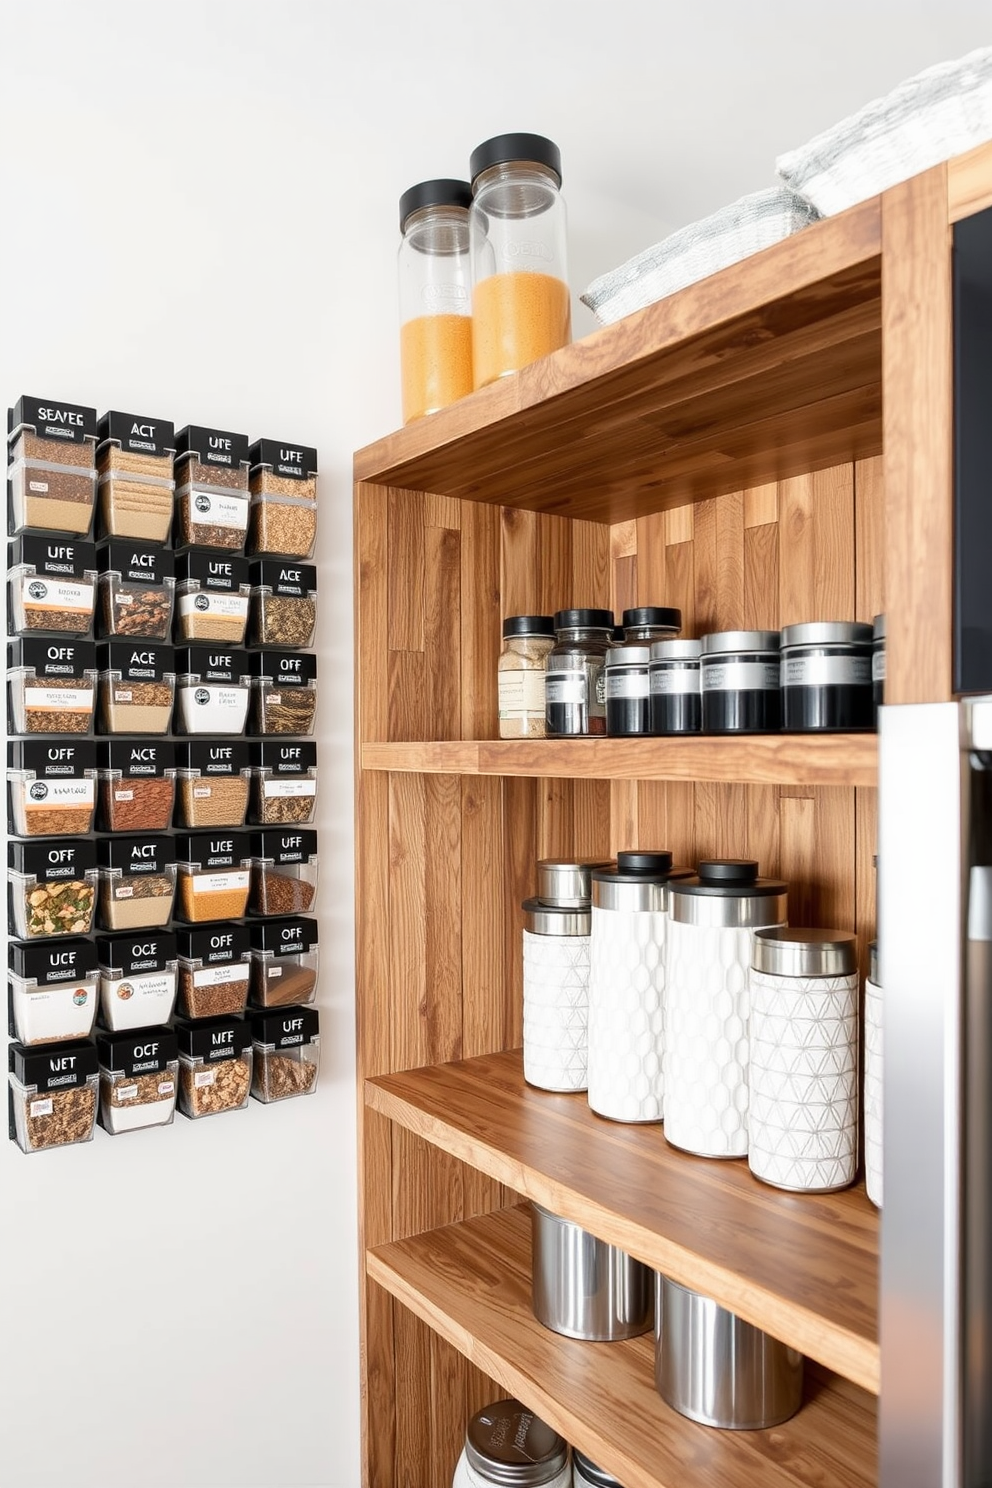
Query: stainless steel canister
716	1369
567	882
583	1287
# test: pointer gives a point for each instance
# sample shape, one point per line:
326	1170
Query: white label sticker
41	1107
123	694
826	671
209	510
125	1092
521	693
672	681
202	792
219	883
43	593
58	700
203	1077
878	666
218	976
166	1087
47	793
740	676
39	486
124	892
202	602
274	971
123	795
275	788
567	687
623	684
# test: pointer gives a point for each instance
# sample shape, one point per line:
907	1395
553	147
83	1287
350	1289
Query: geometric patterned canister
873	1082
556	1008
804	1067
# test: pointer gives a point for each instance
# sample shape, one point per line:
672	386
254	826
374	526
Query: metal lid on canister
551	919
506	1443
729	893
586	1471
566	883
638	882
635	654
676	650
827	633
720	641
657	615
803	952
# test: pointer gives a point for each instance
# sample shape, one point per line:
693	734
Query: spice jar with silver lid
51	584
826	677
874	1087
576	688
803	1059
676	699
628	700
506	1443
646	624
877	665
740	681
712	919
521	675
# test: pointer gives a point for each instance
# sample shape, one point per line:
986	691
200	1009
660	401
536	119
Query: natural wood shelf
803	1267
471	1283
769	369
759	759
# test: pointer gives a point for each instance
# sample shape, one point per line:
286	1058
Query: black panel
972	453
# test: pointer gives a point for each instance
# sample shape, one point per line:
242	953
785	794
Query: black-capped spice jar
51	686
212	593
646	624
139	1072
628	701
826	677
51	474
740	680
575	687
53	1094
287	1053
51	786
877	665
521	676
284	958
134	458
212	785
214	970
211	488
283	781
283	692
676	700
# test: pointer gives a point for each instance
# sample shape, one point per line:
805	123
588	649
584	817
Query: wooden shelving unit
727	451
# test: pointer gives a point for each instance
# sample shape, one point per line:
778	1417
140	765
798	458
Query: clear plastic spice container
137	589
211	597
214	874
51	585
51	686
628	691
137	687
215	1065
435	291
51	786
527	641
676	700
51	887
51	477
211	489
576	689
51	991
283	781
137	784
136	485
139	1075
521	308
137	881
283	485
53	1094
283	871
286	1047
283	962
213	783
213	970
213	691
137	979
283	603
284	692
648	623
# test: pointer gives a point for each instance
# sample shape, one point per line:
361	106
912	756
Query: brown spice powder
219	802
279	1075
71	1119
279	528
49	821
137	804
212	1001
46	721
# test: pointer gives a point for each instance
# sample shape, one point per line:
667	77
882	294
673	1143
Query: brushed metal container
583	1287
716	1369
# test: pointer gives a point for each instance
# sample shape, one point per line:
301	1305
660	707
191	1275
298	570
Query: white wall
199	223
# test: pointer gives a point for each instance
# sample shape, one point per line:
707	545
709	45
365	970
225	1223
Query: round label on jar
740	676
674	681
826	671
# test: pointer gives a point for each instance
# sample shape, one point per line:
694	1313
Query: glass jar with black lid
740	681
576	691
648	623
628	701
676	700
522	675
826	677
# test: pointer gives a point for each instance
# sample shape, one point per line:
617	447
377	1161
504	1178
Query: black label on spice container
285	459
137	661
58	961
287	1028
213	1039
142	1052
287	846
136	756
129	955
214	945
137	563
225	575
210	757
69	423
137	853
56	557
57	1067
213	446
212	664
52	861
138	434
284	577
298	757
288	937
285	668
51	760
52	658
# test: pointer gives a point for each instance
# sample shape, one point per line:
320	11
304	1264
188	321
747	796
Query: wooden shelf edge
760	759
470	1283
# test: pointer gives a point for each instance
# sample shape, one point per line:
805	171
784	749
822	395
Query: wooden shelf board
803	1267
768	369
760	759
470	1282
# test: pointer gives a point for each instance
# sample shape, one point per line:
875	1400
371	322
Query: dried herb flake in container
284	781
283	603
52	887
286	1053
137	585
284	692
215	1063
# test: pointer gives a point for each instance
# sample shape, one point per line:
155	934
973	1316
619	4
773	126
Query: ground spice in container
213	783
282	468
51	476
284	692
51	584
435	361
139	1074
137	979
137	585
214	970
283	871
213	690
137	687
51	686
137	784
283	962
137	881
284	781
51	786
517	318
213	875
53	1094
134	458
52	887
282	524
211	488
51	990
286	1049
211	597
283	603
215	1065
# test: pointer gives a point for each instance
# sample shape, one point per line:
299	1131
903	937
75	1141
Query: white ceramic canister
803	1108
556	995
873	1080
627	986
712	919
506	1443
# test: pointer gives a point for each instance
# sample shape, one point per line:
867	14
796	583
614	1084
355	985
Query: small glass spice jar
435	293
283	603
53	1094
139	1073
283	871
676	700
51	686
51	477
877	665
52	991
51	786
576	690
527	642
283	691
283	507
628	700
211	489
214	970
213	777
215	1065
826	677
286	1048
283	962
521	308
137	784
136	485
212	593
740	680
137	881
51	585
137	979
646	624
506	1443
283	781
137	588
137	687
51	887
